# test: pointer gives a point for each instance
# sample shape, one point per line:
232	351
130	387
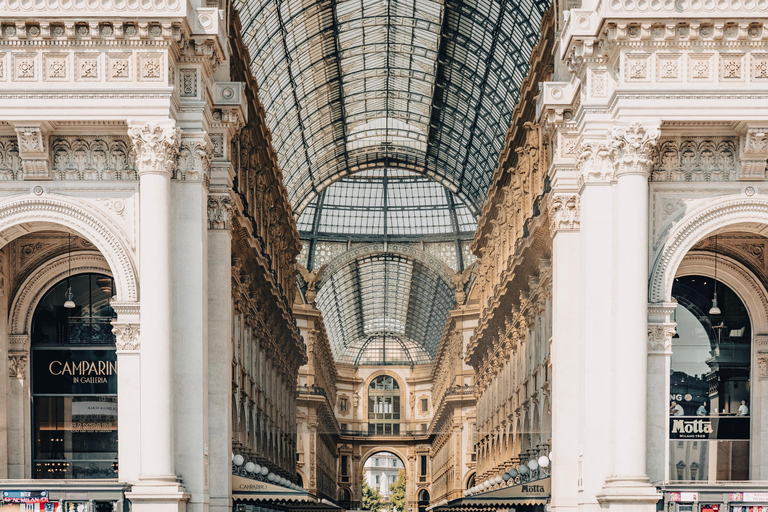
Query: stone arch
737	277
468	479
699	224
37	213
389	449
39	282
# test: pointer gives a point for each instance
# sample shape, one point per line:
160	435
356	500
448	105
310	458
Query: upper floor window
384	406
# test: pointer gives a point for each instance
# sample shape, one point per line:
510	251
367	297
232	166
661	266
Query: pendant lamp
69	303
714	310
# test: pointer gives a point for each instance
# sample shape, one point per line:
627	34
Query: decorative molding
126	336
695	159
17	365
564	212
10	162
93	158
594	163
219	211
156	146
762	366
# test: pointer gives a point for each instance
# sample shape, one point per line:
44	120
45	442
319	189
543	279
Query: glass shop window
74	381
710	388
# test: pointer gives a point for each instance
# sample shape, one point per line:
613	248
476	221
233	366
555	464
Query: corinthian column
631	153
156	146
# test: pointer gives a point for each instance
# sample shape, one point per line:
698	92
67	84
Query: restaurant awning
529	493
245	489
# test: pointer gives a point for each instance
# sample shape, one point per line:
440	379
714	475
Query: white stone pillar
596	312
661	328
156	146
189	234
19	449
220	340
628	483
564	221
126	331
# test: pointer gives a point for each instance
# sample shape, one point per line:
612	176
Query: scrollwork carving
126	336
563	212
660	338
631	148
156	147
219	211
710	159
17	365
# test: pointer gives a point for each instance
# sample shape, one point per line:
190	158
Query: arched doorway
74	380
423	500
384	480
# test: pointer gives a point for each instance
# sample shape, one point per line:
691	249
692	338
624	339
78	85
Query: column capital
631	148
17	365
219	211
594	164
563	210
660	338
195	155
156	146
754	152
126	336
33	149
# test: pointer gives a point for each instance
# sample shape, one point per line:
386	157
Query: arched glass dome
389	203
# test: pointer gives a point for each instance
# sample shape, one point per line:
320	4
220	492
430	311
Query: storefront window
709	424
74	382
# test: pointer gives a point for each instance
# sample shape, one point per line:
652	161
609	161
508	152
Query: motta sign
533	489
691	429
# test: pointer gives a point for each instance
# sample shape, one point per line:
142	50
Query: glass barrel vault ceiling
386	202
384	309
421	85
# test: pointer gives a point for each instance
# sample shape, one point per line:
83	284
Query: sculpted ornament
126	336
219	211
17	365
762	364
312	278
563	212
632	149
660	338
594	163
156	147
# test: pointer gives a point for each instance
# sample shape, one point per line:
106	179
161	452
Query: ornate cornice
156	146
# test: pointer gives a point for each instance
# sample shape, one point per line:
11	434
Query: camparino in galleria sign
75	371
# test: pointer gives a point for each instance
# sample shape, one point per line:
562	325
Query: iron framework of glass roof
421	85
384	309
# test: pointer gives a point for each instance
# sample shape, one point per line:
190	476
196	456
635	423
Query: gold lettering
67	369
112	367
102	364
50	367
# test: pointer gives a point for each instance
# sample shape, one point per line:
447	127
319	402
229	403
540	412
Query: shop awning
245	489
529	493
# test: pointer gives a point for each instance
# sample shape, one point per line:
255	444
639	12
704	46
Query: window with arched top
74	381
384	406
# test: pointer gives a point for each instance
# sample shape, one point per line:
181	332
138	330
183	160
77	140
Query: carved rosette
156	147
219	211
17	365
660	338
126	336
563	210
632	149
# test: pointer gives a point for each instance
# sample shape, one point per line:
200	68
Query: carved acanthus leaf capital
594	163
126	336
564	211
17	365
660	338
632	148
194	160
156	147
219	211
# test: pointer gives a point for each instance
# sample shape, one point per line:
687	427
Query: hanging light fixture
69	303
714	310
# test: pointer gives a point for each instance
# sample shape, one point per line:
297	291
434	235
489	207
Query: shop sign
25	496
749	496
75	372
720	428
684	497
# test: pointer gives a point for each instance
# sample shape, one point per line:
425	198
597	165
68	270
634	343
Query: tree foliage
371	498
397	493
